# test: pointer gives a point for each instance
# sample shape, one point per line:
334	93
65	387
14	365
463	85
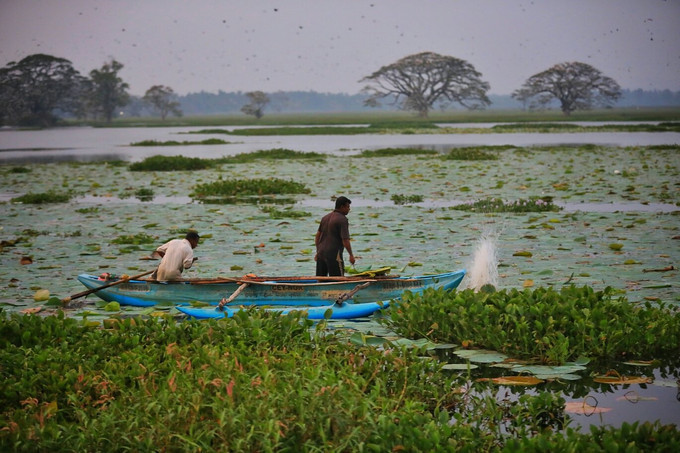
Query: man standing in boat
331	239
177	255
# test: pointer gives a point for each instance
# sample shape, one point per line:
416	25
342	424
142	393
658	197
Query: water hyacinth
536	204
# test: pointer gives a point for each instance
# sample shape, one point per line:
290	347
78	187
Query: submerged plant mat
66	239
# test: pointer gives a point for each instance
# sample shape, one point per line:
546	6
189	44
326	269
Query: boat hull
305	291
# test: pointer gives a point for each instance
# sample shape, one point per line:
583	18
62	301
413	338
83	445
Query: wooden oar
66	300
348	295
234	295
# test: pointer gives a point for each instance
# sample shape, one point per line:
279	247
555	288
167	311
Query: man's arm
348	246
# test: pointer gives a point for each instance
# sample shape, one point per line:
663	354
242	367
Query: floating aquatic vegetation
271	154
473	153
42	198
144	194
535	204
245	187
554	325
389	152
400	199
209	141
136	239
287	213
172	163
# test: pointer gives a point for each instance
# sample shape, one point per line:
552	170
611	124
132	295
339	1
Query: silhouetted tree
577	86
163	100
37	86
108	90
258	101
417	82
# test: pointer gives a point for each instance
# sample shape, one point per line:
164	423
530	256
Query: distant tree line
40	89
204	103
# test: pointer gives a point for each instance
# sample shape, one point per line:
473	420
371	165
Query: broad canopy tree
258	100
163	100
32	89
577	86
421	81
108	90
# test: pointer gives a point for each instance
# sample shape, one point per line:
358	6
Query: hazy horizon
327	46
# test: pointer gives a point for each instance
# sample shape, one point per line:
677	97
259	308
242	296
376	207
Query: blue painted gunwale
338	311
305	291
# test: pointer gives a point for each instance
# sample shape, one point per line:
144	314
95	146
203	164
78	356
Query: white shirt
178	256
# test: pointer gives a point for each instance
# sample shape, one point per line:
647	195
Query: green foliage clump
399	199
257	382
469	153
554	326
42	198
208	141
144	194
542	204
136	239
248	187
404	125
18	170
389	152
276	213
536	127
172	163
271	154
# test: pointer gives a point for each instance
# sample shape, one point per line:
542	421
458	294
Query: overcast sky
329	45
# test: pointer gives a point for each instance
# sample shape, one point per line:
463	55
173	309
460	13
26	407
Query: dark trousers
332	266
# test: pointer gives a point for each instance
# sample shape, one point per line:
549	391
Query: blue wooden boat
343	310
266	291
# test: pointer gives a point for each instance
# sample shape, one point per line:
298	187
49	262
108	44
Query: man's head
193	238
342	204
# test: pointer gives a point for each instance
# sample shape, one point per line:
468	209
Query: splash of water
484	267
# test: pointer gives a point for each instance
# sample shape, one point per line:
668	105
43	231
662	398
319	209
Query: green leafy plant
554	326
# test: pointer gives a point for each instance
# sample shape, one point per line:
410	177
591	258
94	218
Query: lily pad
460	366
481	355
513	380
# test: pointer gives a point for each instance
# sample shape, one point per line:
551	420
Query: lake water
425	233
88	144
